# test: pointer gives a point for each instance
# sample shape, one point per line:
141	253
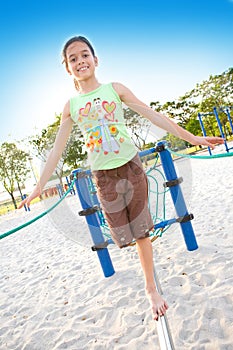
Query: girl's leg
145	252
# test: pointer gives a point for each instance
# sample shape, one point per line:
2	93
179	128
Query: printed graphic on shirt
100	126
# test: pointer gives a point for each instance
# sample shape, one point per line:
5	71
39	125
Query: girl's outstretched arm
161	120
54	155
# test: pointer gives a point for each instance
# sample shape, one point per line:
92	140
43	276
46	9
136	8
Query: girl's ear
67	69
96	61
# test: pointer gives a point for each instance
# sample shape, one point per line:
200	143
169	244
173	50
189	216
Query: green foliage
175	142
72	154
217	91
13	168
42	143
75	153
138	126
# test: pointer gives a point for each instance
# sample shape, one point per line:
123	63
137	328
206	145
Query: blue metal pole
177	196
95	200
69	183
146	152
81	185
203	130
220	128
229	118
25	207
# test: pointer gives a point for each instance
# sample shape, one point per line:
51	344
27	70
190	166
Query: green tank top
100	117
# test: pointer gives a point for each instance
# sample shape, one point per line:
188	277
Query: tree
72	154
175	142
74	151
43	142
13	168
217	91
139	127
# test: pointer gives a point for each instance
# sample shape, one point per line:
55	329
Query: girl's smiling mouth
82	69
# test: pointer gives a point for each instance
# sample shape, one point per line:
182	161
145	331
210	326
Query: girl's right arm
54	156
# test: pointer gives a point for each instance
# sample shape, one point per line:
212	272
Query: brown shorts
123	194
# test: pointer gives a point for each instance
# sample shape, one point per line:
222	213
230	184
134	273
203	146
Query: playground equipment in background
215	112
23	196
61	190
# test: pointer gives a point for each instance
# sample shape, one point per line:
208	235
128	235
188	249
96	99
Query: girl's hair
67	44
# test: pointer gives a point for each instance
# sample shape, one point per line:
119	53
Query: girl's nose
80	60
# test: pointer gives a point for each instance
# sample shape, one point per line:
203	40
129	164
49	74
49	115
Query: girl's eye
72	60
85	55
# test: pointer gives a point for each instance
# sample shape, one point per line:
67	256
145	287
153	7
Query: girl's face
80	61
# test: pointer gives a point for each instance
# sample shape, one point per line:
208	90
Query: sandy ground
54	295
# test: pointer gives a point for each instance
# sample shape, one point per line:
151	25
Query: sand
54	295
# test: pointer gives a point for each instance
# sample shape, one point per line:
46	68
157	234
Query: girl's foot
158	304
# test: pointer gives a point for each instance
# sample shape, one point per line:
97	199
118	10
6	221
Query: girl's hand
209	141
36	193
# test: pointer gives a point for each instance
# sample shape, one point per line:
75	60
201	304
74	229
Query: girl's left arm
160	119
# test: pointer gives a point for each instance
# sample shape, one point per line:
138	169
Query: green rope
220	155
39	216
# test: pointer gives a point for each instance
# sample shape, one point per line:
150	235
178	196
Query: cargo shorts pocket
106	188
100	178
136	167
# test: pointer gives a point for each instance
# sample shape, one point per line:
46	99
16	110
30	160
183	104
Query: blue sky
159	49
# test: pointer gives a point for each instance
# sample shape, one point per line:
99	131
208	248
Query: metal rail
164	332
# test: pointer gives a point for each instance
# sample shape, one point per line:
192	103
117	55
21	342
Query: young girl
119	175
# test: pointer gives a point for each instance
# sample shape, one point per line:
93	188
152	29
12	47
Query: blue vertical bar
229	118
81	184
203	130
177	196
25	207
220	128
69	183
95	200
